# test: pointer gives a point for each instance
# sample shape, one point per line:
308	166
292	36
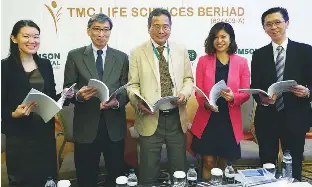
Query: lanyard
158	57
157	53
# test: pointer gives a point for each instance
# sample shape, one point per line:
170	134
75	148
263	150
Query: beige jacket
143	79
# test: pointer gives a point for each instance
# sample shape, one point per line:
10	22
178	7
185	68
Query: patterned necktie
280	64
99	64
165	79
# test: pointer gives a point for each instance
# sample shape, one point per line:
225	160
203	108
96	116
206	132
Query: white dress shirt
275	51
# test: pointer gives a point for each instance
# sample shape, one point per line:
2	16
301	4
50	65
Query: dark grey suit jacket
80	68
298	67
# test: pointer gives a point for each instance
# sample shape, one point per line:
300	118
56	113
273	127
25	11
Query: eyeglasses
271	24
165	28
99	30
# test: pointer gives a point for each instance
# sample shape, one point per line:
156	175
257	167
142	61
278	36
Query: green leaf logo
192	54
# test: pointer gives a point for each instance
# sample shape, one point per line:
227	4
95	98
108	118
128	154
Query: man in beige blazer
160	68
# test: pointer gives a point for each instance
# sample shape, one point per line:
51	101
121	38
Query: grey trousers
169	132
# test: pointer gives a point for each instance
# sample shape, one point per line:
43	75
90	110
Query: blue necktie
99	64
280	64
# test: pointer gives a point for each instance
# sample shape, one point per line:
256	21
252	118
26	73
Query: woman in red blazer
218	131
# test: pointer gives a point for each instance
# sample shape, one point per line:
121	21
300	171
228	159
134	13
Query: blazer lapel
271	69
109	64
174	55
290	63
21	76
90	61
148	50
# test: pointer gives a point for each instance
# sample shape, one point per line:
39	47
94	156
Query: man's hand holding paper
143	108
267	100
86	92
300	91
180	101
113	102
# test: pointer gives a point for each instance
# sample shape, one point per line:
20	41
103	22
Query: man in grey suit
98	127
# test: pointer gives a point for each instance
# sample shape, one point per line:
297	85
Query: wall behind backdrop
63	24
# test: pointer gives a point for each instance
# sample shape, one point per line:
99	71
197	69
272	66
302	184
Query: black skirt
30	161
218	138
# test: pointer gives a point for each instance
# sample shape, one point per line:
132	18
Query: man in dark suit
287	116
98	127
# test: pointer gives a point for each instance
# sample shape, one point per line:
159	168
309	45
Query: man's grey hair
100	18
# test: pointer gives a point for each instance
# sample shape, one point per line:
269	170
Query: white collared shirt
96	55
169	61
275	51
165	53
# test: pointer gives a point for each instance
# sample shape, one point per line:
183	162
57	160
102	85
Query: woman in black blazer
31	146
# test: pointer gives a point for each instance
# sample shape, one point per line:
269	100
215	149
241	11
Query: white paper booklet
46	106
103	91
278	87
155	106
214	94
251	177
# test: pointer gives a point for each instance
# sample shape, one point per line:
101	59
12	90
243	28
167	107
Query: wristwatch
116	107
308	95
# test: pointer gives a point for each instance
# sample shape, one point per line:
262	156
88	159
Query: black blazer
14	88
298	67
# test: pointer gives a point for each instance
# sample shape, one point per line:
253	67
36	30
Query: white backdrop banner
63	24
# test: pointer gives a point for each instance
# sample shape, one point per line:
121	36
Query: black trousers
269	134
87	156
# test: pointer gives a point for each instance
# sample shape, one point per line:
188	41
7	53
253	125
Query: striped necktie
280	64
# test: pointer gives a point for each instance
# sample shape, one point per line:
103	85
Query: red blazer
238	77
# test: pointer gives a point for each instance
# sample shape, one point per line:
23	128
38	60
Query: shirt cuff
264	104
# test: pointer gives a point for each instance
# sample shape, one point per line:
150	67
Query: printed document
278	87
155	106
214	94
46	106
103	91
